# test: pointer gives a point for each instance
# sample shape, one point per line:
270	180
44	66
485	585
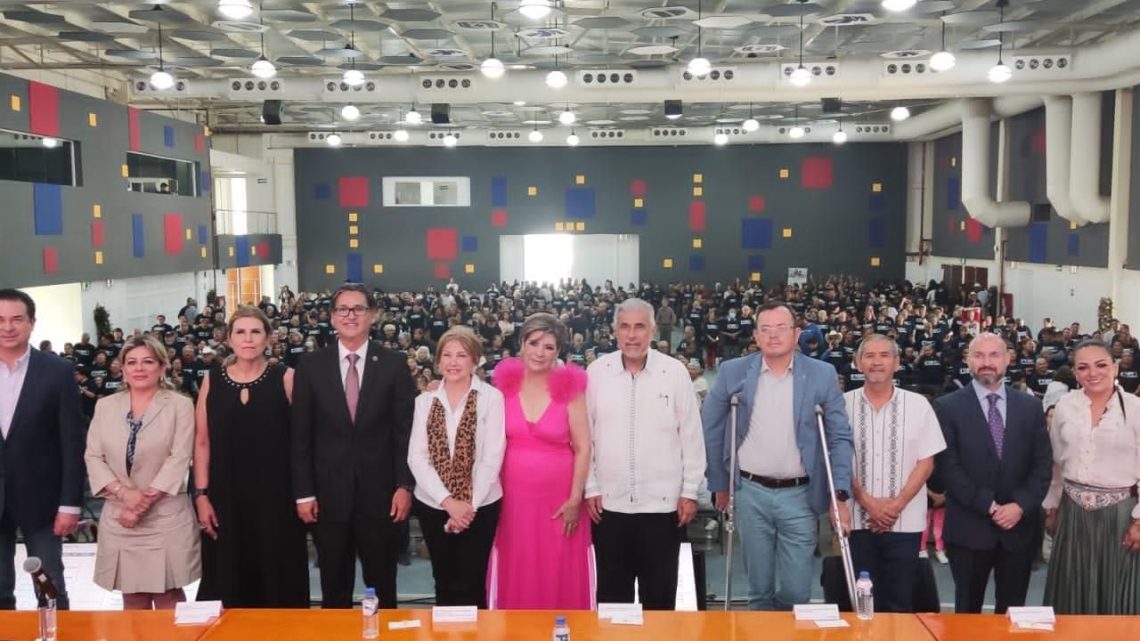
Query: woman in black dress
254	552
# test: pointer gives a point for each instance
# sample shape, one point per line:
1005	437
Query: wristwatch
201	491
842	495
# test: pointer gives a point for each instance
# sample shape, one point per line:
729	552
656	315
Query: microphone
34	567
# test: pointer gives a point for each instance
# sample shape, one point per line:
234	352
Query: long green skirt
1089	572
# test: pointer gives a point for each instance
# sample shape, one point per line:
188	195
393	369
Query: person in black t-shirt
930	371
294	349
853	379
88	392
437	325
1038	380
160	326
84	350
114	381
1128	375
99	368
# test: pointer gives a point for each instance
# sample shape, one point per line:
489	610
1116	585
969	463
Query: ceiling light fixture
751	124
796	132
899	114
161	79
413	117
699	66
567	117
262	67
450	140
573	140
556	79
353	77
493	67
350	112
520	103
801	76
400	135
535	135
943	60
839	137
535	9
898	5
235	9
720	138
1000	73
333	140
49	142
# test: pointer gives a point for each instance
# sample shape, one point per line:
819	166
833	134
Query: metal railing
256	222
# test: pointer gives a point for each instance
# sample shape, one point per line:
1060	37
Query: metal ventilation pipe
976	171
1058	144
1084	167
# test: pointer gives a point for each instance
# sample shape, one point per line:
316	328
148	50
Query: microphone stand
844	543
730	518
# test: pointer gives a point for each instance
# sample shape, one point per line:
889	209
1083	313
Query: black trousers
644	547
371	535
459	561
892	560
971	570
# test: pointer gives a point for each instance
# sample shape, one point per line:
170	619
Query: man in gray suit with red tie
41	448
996	468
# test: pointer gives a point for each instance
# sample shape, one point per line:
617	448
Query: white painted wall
59	314
134	302
285	204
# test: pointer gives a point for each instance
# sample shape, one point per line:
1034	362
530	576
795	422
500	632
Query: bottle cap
559	620
864	575
369	592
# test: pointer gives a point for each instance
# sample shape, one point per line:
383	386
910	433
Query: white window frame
428	185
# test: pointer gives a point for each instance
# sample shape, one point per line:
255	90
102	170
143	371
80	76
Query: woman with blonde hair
254	553
138	452
455	452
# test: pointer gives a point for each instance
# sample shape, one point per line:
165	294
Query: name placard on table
1033	618
454	614
196	612
824	615
621	613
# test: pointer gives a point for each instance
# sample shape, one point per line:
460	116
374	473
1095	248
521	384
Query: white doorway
553	257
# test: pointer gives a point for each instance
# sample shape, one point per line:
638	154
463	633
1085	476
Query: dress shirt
889	443
983	392
648	448
1107	455
770	447
11	384
343	353
490	445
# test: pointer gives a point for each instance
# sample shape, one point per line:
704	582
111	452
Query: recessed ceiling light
800	76
573	139
235	9
899	114
493	68
262	68
999	73
400	135
535	9
450	140
942	61
161	80
413	117
556	79
700	66
839	137
520	103
535	136
333	140
350	112
796	132
751	125
898	5
720	139
353	77
567	117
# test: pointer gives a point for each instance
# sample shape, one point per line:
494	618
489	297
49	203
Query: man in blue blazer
780	478
996	468
41	448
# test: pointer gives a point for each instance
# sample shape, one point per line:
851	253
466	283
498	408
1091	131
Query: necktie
997	426
352	386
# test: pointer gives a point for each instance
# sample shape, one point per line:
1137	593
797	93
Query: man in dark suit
352	417
41	448
996	468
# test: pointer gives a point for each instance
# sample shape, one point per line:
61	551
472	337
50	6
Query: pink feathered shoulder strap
507	376
566	383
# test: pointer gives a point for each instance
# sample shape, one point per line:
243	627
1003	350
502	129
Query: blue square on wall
756	233
755	263
877	233
877	203
168	136
953	193
499	191
1074	245
580	203
470	243
354	268
322	191
696	263
47	209
638	217
138	236
1038	242
203	234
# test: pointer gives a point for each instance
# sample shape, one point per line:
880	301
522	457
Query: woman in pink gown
542	557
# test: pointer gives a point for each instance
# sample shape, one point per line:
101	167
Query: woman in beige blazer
138	454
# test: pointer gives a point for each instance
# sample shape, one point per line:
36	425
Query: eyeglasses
772	330
357	310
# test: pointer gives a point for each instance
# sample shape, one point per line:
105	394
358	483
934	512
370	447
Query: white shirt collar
22	361
764	365
343	351
441	393
982	392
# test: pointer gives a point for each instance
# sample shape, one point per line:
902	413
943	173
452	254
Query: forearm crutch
730	518
844	544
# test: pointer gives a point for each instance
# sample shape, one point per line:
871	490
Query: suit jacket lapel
334	383
743	419
157	406
371	371
26	392
799	388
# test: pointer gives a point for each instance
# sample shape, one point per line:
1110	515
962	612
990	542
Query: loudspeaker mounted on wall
271	112
440	113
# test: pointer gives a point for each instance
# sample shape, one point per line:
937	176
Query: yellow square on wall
667	263
330	269
352	217
469	268
876	187
787	232
231	252
96	211
962	226
698	179
874	261
698	191
189	234
638	203
697	243
15	102
126	172
784	173
559	226
377	269
353	230
353	243
202	251
755	277
1072	226
953	161
580	226
92	119
532	191
579	179
253	250
98	258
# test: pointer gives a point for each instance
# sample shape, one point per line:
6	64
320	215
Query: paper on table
1036	614
454	614
619	610
832	623
816	612
628	618
196	612
404	625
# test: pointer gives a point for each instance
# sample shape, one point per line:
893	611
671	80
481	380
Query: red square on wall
973	230
756	203
43	109
442	243
172	233
199	143
97	234
817	172
442	270
499	218
637	188
352	191
51	260
697	215
263	250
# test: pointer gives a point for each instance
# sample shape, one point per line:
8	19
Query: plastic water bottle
561	630
864	599
370	606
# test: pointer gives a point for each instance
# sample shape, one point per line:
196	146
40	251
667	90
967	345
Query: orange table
345	625
982	627
103	626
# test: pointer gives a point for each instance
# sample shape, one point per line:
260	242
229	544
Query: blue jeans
778	533
892	560
42	543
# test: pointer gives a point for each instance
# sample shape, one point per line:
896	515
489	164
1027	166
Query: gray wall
1133	261
836	228
103	149
955	233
